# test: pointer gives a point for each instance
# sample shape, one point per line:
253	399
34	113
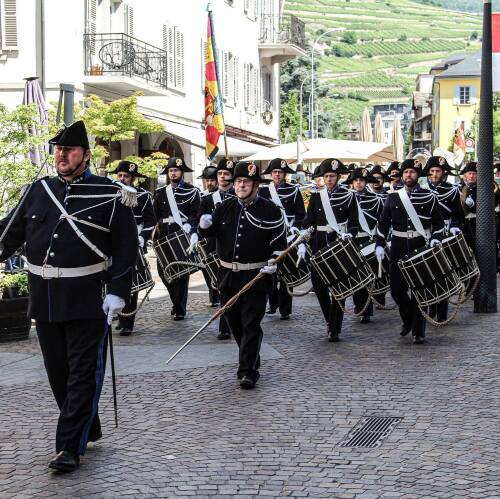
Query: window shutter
236	81
246	85
129	20
256	90
473	94
179	58
225	76
168	46
246	6
456	96
8	25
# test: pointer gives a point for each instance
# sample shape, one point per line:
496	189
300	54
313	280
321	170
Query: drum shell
291	274
142	277
461	257
210	261
380	284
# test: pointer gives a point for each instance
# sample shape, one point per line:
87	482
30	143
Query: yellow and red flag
214	110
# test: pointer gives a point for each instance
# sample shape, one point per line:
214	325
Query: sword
303	237
113	376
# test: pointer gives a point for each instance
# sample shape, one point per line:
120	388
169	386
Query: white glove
435	242
186	228
141	241
270	268
294	230
454	231
345	235
380	252
205	221
469	201
301	252
193	241
112	305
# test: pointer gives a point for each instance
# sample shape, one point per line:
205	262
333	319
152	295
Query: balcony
281	40
121	63
422	136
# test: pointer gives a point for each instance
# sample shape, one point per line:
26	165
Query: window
464	95
173	44
8	25
251	85
386	124
267	87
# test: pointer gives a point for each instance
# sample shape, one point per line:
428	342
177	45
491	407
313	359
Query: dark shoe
285	317
418	340
215	304
365	320
118	327
94	437
172	311
271	311
125	332
405	330
223	336
178	317
65	462
247	383
333	337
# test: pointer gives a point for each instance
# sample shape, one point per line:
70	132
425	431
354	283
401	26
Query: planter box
14	323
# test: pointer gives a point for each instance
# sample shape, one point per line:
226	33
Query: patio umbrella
33	95
379	129
365	130
397	139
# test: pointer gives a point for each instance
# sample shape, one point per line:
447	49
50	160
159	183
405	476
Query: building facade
113	48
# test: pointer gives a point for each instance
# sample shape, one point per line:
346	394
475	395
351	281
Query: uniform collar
249	204
84	176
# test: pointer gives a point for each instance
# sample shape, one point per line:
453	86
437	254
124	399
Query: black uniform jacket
52	240
187	198
371	204
344	207
291	199
394	215
144	214
448	196
246	234
207	206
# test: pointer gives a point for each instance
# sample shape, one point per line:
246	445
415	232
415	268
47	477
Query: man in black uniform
176	208
327	230
407	237
76	227
369	206
127	172
289	199
223	171
448	195
249	230
378	188
468	195
394	174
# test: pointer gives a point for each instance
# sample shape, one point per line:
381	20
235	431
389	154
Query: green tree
290	119
350	38
496	133
147	166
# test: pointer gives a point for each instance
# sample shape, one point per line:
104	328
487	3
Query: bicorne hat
128	167
178	163
74	135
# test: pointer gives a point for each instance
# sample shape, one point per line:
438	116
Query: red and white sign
470	145
495	19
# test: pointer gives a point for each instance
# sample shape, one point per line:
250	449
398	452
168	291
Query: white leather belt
470	215
409	234
363	234
168	220
327	228
49	272
236	267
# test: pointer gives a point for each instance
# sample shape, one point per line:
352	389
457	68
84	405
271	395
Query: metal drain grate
370	432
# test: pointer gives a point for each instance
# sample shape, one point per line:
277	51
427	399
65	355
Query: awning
238	148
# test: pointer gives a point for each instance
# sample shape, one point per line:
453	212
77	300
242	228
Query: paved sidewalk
189	430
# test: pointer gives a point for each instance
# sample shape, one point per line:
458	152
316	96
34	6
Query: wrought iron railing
121	54
290	30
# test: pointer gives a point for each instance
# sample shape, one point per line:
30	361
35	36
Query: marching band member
414	215
369	207
289	199
224	190
333	213
394	174
249	230
378	188
76	227
127	173
468	196
176	208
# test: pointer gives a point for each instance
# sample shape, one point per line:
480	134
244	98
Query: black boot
65	462
405	330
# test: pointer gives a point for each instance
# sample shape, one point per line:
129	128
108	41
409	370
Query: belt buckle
234	267
409	234
43	271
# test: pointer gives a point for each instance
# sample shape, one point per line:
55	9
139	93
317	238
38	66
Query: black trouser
177	290
223	323
213	294
74	353
127	322
332	312
244	319
279	298
359	299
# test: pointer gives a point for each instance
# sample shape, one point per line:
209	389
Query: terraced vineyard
378	47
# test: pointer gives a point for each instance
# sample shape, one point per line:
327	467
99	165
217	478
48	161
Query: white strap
71	221
216	197
327	207
410	210
173	205
363	222
277	201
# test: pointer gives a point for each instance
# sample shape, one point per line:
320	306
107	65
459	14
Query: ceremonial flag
214	110
495	60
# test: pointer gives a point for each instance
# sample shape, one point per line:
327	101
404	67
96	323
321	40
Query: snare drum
210	262
430	276
291	274
461	258
342	268
381	285
173	258
142	278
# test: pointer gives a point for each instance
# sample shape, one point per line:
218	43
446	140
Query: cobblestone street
188	429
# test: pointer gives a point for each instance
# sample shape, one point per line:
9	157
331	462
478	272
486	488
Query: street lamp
311	110
301	93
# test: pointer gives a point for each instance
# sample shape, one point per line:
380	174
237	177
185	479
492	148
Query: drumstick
380	269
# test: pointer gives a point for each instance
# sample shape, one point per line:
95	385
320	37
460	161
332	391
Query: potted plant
14	299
